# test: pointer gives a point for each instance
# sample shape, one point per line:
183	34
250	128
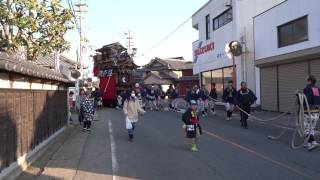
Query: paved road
159	151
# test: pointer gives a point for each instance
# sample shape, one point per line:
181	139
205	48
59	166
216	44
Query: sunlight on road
62	173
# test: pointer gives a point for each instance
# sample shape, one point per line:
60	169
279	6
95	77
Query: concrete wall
220	37
266	38
241	29
244	13
7	82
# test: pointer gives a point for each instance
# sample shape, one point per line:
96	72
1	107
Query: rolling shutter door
315	69
291	77
269	89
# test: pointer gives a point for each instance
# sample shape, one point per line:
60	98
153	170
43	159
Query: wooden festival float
113	66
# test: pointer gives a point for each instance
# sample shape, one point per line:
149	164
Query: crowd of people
243	98
136	102
152	97
200	101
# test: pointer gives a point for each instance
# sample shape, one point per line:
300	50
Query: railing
27	118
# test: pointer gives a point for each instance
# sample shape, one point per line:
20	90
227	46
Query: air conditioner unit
229	3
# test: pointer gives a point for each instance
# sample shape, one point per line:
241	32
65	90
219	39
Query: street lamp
235	49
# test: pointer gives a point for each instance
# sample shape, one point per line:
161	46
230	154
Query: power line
169	35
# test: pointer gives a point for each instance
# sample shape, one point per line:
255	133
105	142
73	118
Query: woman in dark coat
87	107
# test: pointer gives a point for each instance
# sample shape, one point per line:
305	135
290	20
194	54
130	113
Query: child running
192	126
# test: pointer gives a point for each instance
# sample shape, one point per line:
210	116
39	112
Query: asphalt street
159	151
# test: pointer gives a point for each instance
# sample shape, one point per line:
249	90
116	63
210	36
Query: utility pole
129	43
81	10
80	5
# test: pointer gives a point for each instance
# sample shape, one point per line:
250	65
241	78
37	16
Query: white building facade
287	50
218	23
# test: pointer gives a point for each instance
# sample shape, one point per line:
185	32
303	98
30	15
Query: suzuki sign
204	49
201	50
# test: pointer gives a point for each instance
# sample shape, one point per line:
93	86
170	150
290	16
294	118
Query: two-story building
218	23
287	50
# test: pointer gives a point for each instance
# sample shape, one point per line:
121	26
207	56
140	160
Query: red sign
204	49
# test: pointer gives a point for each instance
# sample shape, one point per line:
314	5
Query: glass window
227	76
293	32
208	27
206	80
223	19
215	24
217	77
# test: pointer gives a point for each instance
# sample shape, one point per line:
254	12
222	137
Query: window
218	76
227	76
208	27
223	19
293	32
206	80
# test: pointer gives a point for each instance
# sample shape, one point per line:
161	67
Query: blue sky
149	20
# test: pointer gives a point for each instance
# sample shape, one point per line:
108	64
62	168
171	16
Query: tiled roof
172	64
161	75
177	64
154	78
115	45
48	61
11	64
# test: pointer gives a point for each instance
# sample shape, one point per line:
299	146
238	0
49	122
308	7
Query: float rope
257	118
299	112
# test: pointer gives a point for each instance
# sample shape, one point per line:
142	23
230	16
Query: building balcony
195	44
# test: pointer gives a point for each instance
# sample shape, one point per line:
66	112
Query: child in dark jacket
191	123
245	98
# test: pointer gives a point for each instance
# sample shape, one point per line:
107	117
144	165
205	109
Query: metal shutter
315	69
291	77
269	88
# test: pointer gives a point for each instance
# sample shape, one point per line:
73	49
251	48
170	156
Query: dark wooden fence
27	118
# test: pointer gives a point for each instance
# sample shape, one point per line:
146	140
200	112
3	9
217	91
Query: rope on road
255	117
297	110
300	129
299	116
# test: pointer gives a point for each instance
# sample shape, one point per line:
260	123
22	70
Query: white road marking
115	165
253	152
